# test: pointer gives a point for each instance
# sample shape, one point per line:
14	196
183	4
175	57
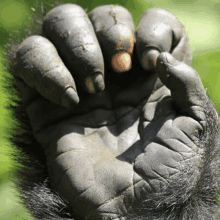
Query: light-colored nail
95	83
121	62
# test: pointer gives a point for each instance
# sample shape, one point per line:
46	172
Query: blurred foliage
200	17
207	65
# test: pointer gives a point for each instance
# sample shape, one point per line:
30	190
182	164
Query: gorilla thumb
185	85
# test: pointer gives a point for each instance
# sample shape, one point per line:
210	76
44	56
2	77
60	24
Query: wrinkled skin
115	147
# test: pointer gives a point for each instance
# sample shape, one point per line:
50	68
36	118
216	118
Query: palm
122	152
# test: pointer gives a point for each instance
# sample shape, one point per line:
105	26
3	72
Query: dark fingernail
171	60
121	62
95	83
149	58
69	98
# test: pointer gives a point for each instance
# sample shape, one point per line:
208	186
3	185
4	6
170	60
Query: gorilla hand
141	135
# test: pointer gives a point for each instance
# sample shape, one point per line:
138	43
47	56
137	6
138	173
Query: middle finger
115	31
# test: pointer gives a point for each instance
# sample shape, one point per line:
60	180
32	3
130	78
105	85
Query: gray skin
107	152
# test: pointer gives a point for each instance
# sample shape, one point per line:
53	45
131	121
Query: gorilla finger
70	30
115	31
186	88
40	67
159	31
180	51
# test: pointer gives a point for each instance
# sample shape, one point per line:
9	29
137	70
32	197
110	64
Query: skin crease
123	121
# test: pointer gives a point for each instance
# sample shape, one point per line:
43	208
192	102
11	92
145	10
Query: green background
200	17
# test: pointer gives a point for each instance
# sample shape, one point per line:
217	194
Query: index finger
159	31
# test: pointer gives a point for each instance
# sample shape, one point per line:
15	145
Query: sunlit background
200	17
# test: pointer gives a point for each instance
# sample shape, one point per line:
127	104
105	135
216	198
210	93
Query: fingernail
149	58
69	98
171	60
95	83
121	62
